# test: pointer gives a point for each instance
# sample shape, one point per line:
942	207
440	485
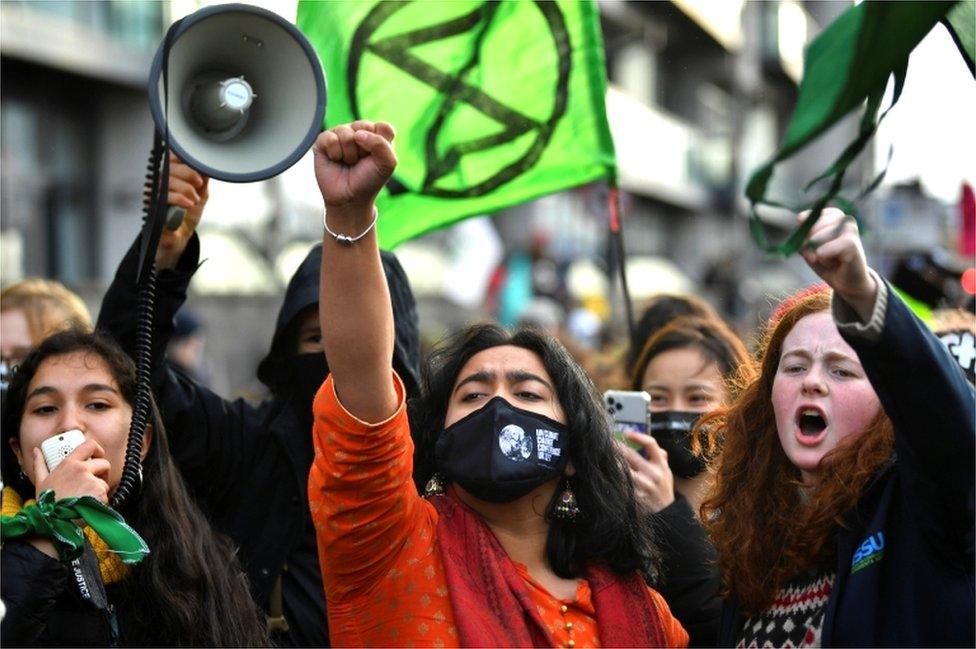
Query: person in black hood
247	465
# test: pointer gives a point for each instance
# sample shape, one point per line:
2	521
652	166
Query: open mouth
811	422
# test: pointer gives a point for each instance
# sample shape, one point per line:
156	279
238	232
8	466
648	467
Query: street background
700	94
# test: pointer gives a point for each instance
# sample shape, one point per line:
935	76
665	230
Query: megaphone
238	93
243	89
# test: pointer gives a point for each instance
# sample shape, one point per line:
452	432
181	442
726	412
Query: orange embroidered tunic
377	541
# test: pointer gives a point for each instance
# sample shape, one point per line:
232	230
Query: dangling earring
436	486
566	508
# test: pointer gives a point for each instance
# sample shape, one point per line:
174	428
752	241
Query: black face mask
308	371
672	430
500	453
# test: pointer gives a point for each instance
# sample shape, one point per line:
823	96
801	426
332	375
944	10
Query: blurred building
75	138
75	133
700	94
920	244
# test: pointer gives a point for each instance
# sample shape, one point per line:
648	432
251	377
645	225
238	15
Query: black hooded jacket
247	465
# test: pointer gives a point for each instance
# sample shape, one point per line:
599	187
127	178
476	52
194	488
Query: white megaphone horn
244	93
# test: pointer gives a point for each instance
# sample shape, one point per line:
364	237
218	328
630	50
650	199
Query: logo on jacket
869	552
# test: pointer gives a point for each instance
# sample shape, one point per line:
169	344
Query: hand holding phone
57	447
652	477
71	466
630	412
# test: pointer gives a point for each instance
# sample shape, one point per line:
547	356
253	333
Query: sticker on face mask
546	441
515	444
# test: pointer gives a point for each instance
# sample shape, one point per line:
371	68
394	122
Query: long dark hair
661	310
712	337
610	530
190	590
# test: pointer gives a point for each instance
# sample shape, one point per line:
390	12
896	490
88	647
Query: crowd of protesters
816	492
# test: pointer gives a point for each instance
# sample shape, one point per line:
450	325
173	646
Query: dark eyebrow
99	387
44	389
477	377
514	376
517	376
49	389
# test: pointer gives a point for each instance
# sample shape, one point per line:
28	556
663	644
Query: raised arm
206	432
176	260
921	389
352	163
834	251
190	190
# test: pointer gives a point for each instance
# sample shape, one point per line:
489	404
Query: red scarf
493	608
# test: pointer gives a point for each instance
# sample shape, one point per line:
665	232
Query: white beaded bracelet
345	239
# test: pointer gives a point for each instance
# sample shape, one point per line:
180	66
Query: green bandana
54	520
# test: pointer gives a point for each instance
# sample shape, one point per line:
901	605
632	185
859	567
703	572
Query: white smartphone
630	411
59	446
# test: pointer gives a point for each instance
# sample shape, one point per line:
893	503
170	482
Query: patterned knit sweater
795	618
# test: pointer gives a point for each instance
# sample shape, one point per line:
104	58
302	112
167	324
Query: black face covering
672	430
308	371
500	453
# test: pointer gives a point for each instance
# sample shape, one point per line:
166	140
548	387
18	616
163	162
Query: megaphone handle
174	217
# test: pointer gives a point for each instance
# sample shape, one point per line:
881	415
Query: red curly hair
764	531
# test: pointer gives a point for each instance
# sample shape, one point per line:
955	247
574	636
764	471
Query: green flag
846	66
494	103
961	23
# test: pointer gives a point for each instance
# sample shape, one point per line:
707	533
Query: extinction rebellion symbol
513	135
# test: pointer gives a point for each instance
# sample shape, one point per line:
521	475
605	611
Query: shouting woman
842	510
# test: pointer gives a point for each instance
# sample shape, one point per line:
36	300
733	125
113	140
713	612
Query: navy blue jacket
905	554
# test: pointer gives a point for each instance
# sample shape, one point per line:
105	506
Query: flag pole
617	240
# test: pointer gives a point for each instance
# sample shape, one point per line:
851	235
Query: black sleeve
118	313
207	434
31	585
689	580
933	410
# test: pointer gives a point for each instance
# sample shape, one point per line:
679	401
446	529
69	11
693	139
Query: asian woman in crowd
689	367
